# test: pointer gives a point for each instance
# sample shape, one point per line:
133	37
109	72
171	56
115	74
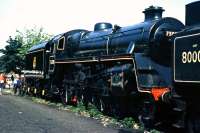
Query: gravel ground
20	115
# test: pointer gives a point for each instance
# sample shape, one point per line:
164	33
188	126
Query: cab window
61	44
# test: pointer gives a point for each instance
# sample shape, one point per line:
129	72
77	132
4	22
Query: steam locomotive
121	70
186	58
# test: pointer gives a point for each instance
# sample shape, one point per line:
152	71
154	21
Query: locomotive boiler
122	70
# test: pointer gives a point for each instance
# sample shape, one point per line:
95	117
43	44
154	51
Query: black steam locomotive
186	63
122	70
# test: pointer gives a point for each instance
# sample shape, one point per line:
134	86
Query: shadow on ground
129	131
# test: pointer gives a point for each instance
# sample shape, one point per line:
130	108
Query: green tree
30	37
10	60
13	58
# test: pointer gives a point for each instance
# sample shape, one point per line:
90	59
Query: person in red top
2	79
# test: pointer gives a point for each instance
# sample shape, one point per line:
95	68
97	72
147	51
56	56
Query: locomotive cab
36	61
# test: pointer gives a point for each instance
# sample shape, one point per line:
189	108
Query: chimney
153	13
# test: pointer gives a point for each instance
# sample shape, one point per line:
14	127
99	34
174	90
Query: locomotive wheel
65	97
193	122
101	105
116	110
192	125
147	114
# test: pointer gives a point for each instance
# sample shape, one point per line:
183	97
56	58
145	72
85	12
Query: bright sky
57	16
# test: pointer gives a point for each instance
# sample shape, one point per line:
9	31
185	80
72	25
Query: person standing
1	87
17	85
12	79
2	79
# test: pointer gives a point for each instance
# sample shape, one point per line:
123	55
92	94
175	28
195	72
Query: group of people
15	82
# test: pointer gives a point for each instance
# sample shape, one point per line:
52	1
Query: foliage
31	37
13	58
128	122
10	60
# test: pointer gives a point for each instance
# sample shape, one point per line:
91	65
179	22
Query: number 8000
191	57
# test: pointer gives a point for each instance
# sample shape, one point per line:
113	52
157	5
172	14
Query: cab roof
37	47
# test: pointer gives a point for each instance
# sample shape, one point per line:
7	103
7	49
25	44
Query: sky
58	16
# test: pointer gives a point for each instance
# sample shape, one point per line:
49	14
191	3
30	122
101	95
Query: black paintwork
184	70
186	74
125	40
37	47
186	64
38	52
192	13
153	13
146	43
122	61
